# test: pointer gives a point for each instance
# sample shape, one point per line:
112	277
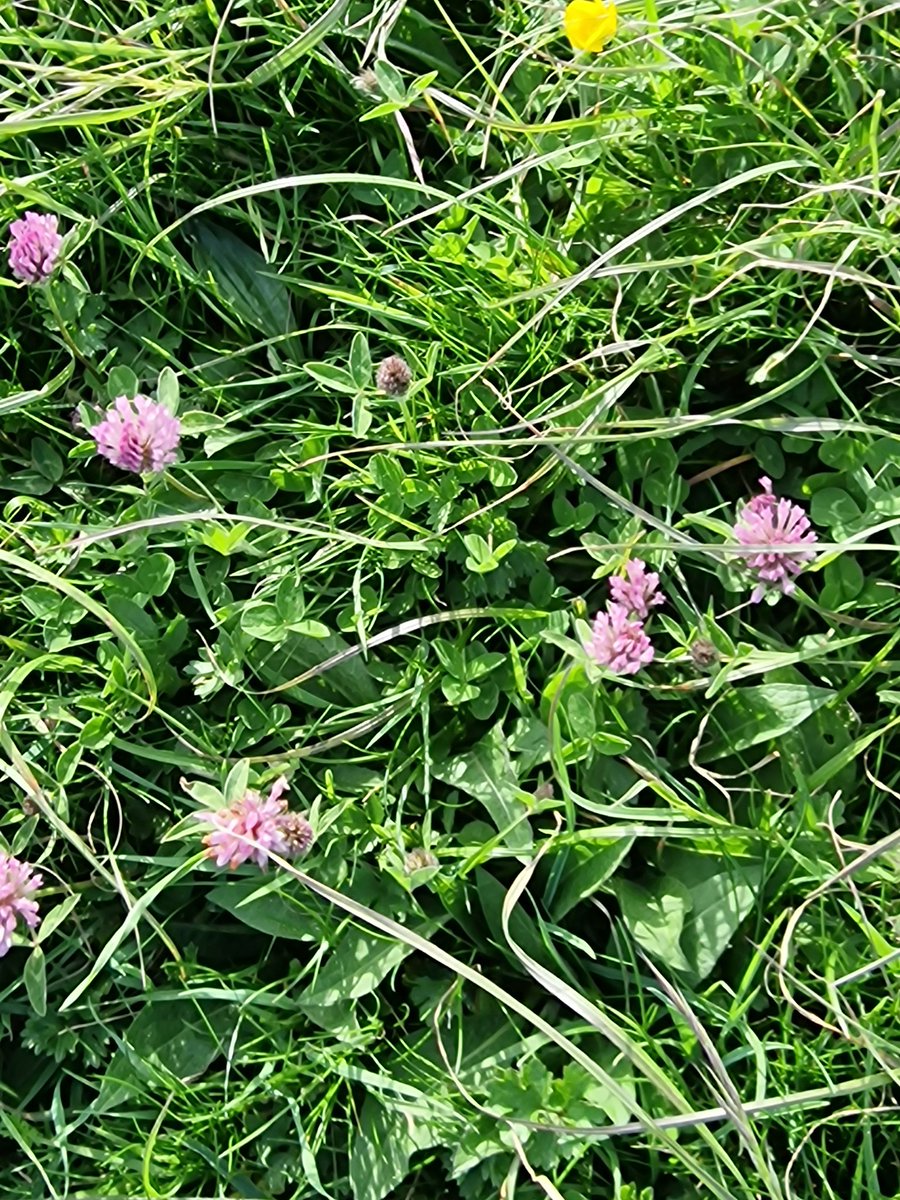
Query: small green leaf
167	389
224	539
263	621
361	419
55	917
154	574
46	461
121	381
35	975
97	732
360	361
420	83
588	863
456	691
237	782
390	81
580	712
482	556
383	110
844	580
333	377
309	628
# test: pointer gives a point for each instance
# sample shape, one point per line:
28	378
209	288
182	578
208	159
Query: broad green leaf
390	81
348	682
379	1160
268	911
487	773
339	1019
357	966
242	278
263	621
749	715
133	617
55	917
655	918
833	508
587	864
721	897
46	461
176	1036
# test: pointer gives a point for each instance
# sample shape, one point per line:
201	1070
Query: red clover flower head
138	435
619	642
34	245
637	593
253	828
769	521
17	885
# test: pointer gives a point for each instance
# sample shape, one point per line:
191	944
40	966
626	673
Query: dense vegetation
543	898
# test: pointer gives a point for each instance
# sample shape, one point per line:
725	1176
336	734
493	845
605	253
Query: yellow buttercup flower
589	24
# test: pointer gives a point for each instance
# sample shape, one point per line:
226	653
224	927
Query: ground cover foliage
542	899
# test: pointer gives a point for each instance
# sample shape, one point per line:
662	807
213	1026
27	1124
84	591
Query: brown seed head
297	833
367	82
418	860
703	654
393	376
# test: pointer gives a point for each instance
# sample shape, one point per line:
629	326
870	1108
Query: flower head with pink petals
138	435
770	528
18	883
620	643
637	592
253	828
34	245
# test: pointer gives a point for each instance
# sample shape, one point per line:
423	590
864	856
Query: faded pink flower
637	593
34	245
17	884
619	642
768	520
252	828
138	435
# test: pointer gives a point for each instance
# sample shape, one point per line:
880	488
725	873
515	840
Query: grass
561	933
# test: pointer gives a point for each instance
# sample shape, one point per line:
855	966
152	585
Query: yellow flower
589	24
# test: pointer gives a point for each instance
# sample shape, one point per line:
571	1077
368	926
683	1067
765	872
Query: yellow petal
589	24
